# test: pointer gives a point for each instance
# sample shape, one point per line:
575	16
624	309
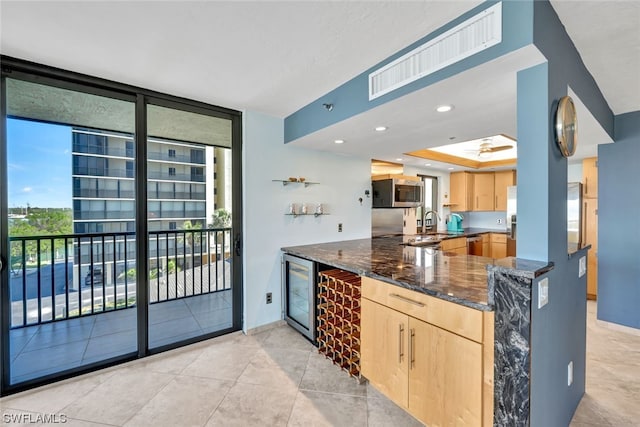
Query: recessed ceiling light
450	169
399	159
444	108
381	128
427	164
339	141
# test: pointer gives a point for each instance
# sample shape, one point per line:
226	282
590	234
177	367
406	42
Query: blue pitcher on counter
455	222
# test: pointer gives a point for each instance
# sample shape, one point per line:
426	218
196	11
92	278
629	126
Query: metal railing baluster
91	272
25	298
39	283
66	278
53	279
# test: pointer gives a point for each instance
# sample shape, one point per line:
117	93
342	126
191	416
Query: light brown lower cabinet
498	243
457	245
440	377
485	245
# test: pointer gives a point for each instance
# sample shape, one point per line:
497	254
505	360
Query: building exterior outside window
104	190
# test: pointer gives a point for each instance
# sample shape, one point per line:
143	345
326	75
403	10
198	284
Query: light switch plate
543	292
570	373
582	266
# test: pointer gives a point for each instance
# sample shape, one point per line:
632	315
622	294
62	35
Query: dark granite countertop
458	278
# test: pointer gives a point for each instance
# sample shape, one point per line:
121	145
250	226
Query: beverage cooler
299	289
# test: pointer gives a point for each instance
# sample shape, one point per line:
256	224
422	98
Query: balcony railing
104	194
175	177
60	277
101	150
109	172
154	214
177	158
182	195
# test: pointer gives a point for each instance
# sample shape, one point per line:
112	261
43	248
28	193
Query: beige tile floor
276	378
612	396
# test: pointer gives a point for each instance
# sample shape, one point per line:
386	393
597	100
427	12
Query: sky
39	160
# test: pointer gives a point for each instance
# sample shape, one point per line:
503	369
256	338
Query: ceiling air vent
471	36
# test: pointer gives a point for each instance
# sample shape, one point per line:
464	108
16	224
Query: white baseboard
263	328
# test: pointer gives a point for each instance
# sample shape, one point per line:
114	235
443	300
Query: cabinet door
453	244
461	191
485	245
384	350
445	377
483	190
590	233
590	177
503	179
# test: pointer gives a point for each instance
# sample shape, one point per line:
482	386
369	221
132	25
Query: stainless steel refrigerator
574	218
512	223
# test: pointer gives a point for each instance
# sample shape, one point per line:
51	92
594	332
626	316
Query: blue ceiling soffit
352	98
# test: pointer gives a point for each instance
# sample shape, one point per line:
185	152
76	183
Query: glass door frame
24	70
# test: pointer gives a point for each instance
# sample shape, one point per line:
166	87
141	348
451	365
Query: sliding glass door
70	220
189	211
119	223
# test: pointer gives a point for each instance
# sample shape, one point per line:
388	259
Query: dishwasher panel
474	245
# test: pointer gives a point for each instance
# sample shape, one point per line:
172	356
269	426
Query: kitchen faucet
424	222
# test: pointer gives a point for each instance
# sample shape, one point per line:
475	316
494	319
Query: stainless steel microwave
397	193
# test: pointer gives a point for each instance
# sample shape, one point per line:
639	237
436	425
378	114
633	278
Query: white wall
485	220
443	189
266	229
574	172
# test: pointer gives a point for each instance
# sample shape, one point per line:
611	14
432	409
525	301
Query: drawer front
498	238
447	315
458	242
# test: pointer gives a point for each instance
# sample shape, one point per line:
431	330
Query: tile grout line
152	397
295	399
235	382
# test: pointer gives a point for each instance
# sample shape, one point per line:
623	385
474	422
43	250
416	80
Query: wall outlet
500	220
269	298
340	228
543	292
582	266
570	373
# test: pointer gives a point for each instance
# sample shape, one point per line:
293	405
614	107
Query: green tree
221	218
39	222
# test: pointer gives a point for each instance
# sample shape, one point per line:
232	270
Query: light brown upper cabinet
461	191
590	177
503	179
480	191
484	191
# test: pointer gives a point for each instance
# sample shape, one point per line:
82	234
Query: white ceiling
607	36
276	57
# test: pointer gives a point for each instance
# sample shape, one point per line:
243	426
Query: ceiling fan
486	148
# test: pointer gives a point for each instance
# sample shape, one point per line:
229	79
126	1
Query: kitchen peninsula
423	285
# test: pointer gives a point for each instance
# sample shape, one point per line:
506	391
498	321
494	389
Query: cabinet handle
400	334
412	346
586	216
405	299
496	206
477	203
586	185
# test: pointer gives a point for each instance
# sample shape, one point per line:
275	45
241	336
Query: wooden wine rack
339	319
